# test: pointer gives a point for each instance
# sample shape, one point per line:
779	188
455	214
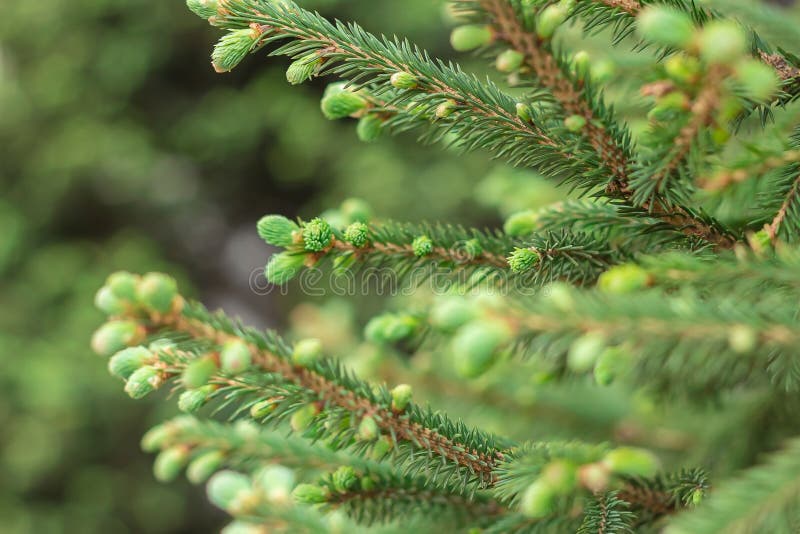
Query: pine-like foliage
657	315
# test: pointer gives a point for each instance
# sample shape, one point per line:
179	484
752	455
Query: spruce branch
606	514
485	115
429	440
761	499
468	256
576	97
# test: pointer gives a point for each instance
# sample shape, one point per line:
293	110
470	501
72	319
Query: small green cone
283	267
401	396
225	487
722	42
232	48
125	362
310	494
403	80
277	230
584	352
344	478
307	352
537	501
198	372
143	381
357	234
235	357
116	335
368	429
665	26
631	461
205	465
475	345
369	128
622	279
341	104
470	37
157	291
168	463
317	235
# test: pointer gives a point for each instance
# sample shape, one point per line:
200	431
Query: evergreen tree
658	313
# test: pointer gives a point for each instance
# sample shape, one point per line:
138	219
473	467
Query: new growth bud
317	235
369	128
157	291
550	19
192	400
470	37
509	61
199	372
368	429
403	80
422	246
235	356
304	68
339	103
283	267
232	48
277	230
125	362
114	336
307	352
475	345
357	234
665	26
523	260
143	381
401	396
168	463
310	494
205	465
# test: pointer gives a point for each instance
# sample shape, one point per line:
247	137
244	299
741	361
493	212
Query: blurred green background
120	148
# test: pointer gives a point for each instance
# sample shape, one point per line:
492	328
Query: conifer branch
606	514
761	499
575	98
790	207
416	251
725	178
352	53
551	76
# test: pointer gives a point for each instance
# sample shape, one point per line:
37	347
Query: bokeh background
120	148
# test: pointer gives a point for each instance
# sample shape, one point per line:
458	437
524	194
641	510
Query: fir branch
350	52
664	494
457	254
724	178
789	210
552	76
449	449
576	98
606	514
759	497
